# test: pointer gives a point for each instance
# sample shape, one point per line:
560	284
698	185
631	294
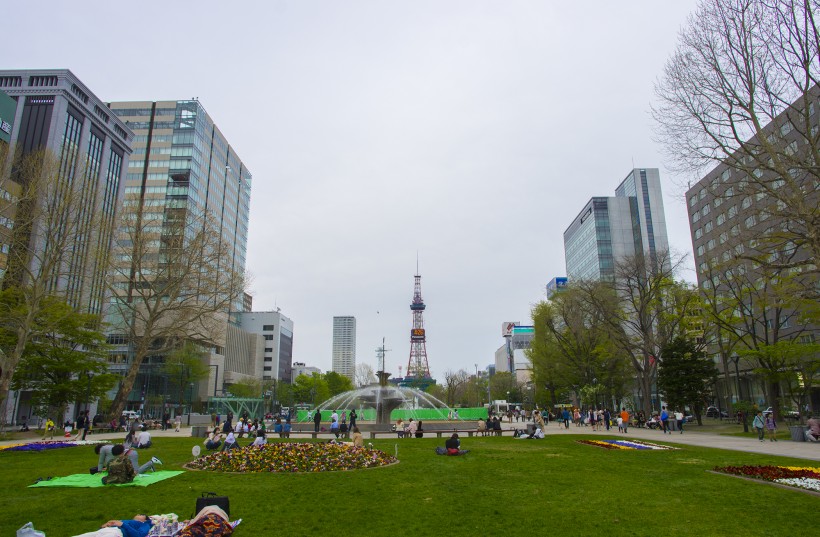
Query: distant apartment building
609	229
344	346
300	368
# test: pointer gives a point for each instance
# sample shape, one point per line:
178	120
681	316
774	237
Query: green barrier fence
431	414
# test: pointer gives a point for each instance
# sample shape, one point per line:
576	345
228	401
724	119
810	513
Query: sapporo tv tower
418	371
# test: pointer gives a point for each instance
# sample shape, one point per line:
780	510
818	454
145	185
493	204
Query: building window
268	328
268	368
268	337
268	349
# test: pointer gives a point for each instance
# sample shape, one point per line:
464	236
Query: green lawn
503	486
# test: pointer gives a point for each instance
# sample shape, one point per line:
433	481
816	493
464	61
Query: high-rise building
609	229
344	346
57	113
751	219
183	174
181	160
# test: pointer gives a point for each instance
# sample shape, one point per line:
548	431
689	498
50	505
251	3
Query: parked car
130	414
715	412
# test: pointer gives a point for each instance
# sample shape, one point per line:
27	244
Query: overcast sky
467	133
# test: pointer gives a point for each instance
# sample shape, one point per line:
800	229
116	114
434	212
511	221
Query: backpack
120	470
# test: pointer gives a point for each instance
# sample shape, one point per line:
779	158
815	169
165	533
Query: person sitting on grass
260	439
358	440
214	440
230	442
144	438
139	526
452	447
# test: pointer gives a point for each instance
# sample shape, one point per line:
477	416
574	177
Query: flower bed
289	457
807	478
625	444
50	444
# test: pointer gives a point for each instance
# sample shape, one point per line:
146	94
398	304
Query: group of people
765	426
339	425
411	429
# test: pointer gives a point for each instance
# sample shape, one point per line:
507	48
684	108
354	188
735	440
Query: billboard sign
507	328
417	334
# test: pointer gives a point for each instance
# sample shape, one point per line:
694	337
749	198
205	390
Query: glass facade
611	228
183	167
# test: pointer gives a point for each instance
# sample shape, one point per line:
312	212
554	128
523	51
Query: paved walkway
691	436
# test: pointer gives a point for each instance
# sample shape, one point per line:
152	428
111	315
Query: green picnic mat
94	481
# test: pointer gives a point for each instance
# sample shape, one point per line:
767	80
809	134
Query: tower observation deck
417	367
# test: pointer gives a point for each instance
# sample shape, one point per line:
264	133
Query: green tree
686	376
311	389
437	391
185	365
645	308
337	383
66	362
571	347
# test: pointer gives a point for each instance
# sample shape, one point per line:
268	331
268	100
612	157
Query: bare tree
56	218
171	282
645	309
741	92
453	381
364	375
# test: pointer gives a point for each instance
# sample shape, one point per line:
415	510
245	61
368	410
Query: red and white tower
417	367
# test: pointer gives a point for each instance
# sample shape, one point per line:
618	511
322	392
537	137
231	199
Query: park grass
504	486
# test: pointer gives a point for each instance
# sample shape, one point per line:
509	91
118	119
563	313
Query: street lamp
216	376
190	401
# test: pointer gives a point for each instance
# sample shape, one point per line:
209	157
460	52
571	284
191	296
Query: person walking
759	424
353	417
624	419
771	428
665	420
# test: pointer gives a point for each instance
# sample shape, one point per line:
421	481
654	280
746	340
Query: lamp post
88	392
216	376
190	399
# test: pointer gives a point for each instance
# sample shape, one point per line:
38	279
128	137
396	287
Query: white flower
808	483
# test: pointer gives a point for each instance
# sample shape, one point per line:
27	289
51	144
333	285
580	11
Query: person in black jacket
317	420
453	446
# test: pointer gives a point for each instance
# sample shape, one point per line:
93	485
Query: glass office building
181	161
612	228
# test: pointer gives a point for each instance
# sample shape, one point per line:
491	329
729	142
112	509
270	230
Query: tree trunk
127	384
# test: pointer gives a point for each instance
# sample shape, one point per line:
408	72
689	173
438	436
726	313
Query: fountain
384	398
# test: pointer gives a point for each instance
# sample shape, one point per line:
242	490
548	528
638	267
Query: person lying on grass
139	526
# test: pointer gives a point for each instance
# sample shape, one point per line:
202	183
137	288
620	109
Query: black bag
210	498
